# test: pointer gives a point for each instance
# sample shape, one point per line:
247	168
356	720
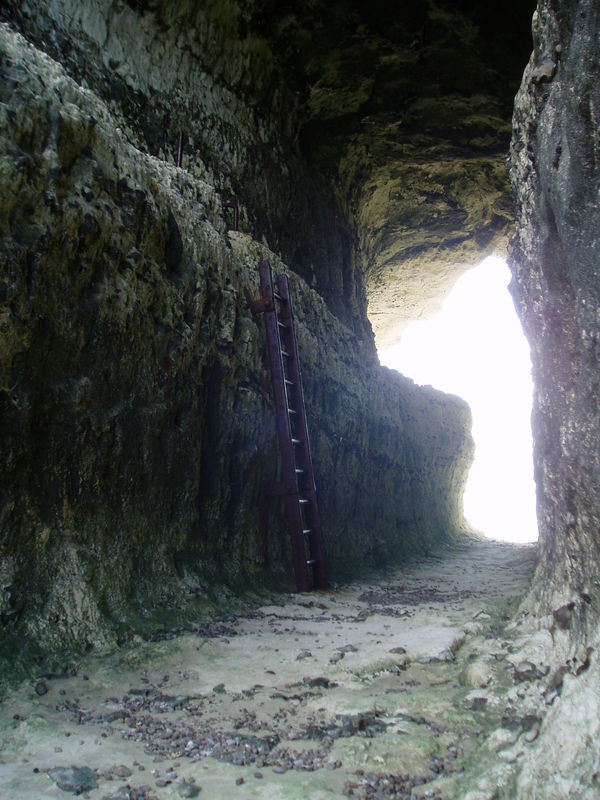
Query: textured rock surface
135	406
555	257
402	111
162	67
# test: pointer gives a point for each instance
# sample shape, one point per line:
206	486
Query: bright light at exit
475	348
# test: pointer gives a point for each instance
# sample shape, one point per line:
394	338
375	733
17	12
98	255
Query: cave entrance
475	348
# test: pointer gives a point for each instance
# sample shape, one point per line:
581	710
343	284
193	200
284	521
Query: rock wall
555	259
136	412
163	67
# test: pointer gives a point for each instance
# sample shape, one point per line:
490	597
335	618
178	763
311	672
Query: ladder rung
311	561
291	411
306	531
286	354
303	501
279	297
282	324
296	441
299	471
288	382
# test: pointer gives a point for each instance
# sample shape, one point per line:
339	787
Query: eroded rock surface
401	111
136	408
555	258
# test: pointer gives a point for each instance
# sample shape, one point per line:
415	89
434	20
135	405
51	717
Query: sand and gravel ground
409	686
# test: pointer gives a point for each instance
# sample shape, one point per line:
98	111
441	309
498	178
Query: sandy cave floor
405	687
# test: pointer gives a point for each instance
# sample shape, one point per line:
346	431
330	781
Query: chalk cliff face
136	416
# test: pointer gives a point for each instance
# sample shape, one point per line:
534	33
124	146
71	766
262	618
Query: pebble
121	771
74	779
304	654
122	793
188	790
41	688
239	781
258	774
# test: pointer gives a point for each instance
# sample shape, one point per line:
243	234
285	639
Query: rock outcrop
555	259
136	415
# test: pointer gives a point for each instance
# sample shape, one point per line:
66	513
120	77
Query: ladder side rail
286	315
315	540
284	431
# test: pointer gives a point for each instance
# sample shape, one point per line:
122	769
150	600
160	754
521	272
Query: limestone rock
136	407
554	257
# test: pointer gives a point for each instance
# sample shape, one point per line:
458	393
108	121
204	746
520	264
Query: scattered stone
478	674
526	671
74	779
239	781
532	734
320	683
122	793
258	774
562	616
398	650
41	688
219	688
478	703
121	771
303	654
188	790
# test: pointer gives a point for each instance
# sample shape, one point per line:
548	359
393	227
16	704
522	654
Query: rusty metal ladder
297	485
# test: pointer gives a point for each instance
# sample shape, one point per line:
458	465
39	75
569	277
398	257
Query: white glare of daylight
475	348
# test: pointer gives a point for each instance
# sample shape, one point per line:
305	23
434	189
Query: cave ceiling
406	109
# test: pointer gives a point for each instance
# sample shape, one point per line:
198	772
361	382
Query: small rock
188	790
279	770
74	779
41	688
239	781
399	650
478	674
562	616
219	688
525	671
304	654
121	771
479	703
122	793
258	774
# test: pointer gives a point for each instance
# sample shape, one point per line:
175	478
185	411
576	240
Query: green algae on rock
136	405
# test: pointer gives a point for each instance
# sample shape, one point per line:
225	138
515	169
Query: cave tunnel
152	154
475	348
